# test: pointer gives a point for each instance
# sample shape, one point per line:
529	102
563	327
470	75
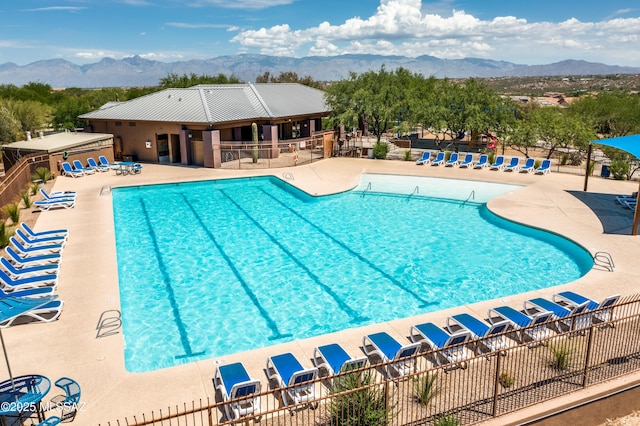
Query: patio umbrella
13	306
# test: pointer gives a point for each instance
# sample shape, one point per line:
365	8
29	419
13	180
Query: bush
619	169
4	234
425	388
491	157
506	380
43	174
575	159
13	211
34	187
564	159
380	150
26	199
447	420
537	164
561	357
359	404
407	155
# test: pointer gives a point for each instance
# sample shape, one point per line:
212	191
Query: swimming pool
217	267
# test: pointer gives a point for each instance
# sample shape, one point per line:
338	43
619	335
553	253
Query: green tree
288	77
32	115
559	129
67	112
9	124
174	80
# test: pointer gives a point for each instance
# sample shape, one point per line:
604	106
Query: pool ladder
368	188
109	323
472	196
416	190
288	176
603	260
105	190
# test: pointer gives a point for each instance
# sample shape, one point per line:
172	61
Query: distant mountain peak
138	71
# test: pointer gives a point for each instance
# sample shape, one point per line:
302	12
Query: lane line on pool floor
361	258
343	306
275	332
182	329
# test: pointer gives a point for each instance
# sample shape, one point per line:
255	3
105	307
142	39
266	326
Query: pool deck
89	278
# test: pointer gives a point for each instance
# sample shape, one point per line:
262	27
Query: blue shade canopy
12	306
630	143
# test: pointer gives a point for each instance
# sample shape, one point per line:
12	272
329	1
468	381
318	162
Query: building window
118	123
132	124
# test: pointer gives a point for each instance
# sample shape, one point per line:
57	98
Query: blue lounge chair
528	166
467	162
492	335
28	241
603	311
32	292
48	233
544	168
71	400
538	304
439	159
45	205
47	249
334	359
516	319
425	159
104	162
449	345
483	161
136	168
56	196
499	164
50	421
23	261
45	313
95	166
67	170
399	358
295	382
239	391
513	165
29	271
77	165
45	280
453	160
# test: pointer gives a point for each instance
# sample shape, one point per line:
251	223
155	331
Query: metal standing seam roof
217	103
59	141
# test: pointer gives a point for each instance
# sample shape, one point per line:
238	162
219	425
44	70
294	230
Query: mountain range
137	71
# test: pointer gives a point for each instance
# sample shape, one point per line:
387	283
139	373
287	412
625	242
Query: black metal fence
481	387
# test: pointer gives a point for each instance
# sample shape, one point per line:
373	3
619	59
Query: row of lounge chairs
483	162
628	201
66	199
103	165
295	383
30	269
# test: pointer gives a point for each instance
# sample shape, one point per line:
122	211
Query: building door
162	142
175	149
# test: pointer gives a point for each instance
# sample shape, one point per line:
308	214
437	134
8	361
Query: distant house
192	126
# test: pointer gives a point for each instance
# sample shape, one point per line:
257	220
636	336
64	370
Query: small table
23	394
125	167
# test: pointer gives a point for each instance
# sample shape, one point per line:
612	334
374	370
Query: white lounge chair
334	359
296	383
240	392
449	346
400	358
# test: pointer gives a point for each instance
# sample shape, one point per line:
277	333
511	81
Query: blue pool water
218	267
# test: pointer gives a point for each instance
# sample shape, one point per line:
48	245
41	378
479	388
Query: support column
211	149
270	134
186	156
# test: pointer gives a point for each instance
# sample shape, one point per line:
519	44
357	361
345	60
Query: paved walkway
89	283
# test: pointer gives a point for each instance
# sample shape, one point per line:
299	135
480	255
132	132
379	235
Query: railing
19	176
485	386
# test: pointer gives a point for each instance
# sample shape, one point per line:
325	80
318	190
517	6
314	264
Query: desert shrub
4	234
356	403
34	187
564	159
506	380
13	212
619	169
380	150
560	356
425	387
407	155
26	199
447	420
43	174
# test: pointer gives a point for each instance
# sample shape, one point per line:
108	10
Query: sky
518	31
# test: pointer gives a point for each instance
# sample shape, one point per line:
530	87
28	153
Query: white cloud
406	27
56	9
